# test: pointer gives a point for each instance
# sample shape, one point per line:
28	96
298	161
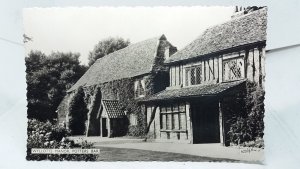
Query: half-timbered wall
248	63
171	122
227	67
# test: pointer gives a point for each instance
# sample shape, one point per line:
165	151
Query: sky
78	30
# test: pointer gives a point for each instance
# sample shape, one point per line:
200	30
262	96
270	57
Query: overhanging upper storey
228	52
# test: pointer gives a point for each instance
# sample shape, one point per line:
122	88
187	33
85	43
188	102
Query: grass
122	154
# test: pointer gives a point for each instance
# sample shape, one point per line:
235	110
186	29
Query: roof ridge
233	19
232	33
228	21
131	61
131	45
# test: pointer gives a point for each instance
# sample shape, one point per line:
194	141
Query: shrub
247	126
240	131
258	143
48	135
77	113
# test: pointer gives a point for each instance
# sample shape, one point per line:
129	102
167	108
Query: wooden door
205	121
104	127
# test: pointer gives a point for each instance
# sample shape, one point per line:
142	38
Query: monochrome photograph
183	84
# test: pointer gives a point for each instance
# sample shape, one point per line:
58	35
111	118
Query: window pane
182	107
173	76
210	69
169	109
136	89
180	76
163	121
175	121
175	108
169	125
198	74
177	75
233	69
163	109
141	89
187	78
182	121
193	76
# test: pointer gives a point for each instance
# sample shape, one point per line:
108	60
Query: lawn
122	154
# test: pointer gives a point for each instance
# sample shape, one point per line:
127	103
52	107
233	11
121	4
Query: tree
48	78
105	47
77	113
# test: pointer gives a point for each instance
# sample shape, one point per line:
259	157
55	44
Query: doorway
205	122
104	127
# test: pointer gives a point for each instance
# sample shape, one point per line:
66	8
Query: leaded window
198	75
233	69
193	75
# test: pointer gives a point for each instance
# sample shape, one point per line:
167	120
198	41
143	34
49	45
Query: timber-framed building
213	81
194	95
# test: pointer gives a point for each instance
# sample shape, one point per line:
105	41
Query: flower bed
48	135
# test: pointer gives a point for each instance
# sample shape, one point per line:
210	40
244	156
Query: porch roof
113	108
197	91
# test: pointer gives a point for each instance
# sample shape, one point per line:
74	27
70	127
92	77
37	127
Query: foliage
107	46
77	113
240	131
48	78
248	125
123	91
93	117
136	131
47	135
258	143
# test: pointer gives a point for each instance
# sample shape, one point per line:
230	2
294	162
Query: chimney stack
239	10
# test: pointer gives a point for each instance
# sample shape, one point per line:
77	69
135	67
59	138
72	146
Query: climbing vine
77	113
248	125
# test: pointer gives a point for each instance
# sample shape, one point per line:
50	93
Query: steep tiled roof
243	30
113	108
197	91
134	60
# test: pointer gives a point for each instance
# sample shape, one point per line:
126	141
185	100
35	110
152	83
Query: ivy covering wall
244	113
77	113
123	91
88	97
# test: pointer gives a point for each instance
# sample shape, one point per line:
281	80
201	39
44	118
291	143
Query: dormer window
193	75
139	88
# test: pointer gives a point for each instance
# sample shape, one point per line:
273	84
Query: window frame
133	119
165	113
242	71
188	75
138	85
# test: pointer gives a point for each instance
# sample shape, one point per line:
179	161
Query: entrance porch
112	119
195	114
206	121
